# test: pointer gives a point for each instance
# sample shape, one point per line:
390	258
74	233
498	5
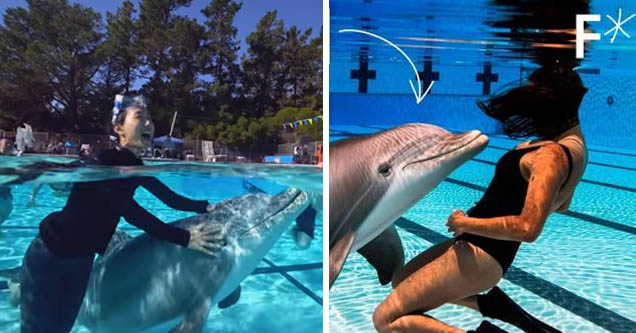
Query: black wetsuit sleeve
172	199
141	218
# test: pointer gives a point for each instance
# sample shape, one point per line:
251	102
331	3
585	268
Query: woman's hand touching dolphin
206	238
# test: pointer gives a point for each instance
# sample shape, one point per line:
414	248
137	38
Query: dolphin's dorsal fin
119	239
194	318
338	254
385	254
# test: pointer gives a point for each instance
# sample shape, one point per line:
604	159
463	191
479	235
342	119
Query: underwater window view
439	111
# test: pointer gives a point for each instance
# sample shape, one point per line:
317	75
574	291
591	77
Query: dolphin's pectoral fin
194	318
338	254
231	299
385	254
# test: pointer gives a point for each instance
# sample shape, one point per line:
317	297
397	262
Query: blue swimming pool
579	275
288	281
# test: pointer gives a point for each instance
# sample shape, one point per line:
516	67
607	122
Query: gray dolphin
142	282
374	179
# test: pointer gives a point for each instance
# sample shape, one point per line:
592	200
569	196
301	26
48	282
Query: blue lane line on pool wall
298	285
559	296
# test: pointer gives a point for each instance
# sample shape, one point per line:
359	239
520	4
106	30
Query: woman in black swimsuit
58	262
530	182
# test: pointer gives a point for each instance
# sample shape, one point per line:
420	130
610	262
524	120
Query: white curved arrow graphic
418	93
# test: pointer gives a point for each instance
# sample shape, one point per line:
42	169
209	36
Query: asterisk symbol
618	25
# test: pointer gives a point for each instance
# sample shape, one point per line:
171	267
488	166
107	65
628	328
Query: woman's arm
201	237
172	199
141	218
548	171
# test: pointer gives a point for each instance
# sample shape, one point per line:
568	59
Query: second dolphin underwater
374	179
142	282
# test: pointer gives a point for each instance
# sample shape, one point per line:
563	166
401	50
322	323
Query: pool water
578	276
289	280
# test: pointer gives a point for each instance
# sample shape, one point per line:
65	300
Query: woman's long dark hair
546	107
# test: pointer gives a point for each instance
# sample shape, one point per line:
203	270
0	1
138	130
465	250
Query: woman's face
137	130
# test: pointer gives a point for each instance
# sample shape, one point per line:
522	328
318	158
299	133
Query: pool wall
608	111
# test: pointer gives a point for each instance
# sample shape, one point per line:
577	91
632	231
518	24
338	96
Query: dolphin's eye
385	169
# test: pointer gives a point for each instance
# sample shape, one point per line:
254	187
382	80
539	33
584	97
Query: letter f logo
581	36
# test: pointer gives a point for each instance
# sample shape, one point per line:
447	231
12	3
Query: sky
301	13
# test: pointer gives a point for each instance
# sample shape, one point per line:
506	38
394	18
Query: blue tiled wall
452	102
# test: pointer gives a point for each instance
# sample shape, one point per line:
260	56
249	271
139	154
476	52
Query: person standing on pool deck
531	181
58	263
6	199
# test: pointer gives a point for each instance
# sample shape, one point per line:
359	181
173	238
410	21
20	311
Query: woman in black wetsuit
58	262
530	182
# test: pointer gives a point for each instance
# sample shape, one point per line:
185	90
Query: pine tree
219	57
57	45
261	68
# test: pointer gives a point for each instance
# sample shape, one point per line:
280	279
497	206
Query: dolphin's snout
468	135
472	137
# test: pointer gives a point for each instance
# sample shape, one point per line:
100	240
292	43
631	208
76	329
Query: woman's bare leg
421	260
426	257
461	271
469	302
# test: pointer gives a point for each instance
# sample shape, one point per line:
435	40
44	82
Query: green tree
55	46
170	48
219	56
261	67
120	48
24	93
221	45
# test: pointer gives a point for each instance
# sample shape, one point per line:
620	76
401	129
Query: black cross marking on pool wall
487	77
366	26
427	76
363	74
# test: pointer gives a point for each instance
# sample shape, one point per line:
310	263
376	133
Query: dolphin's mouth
295	199
479	135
